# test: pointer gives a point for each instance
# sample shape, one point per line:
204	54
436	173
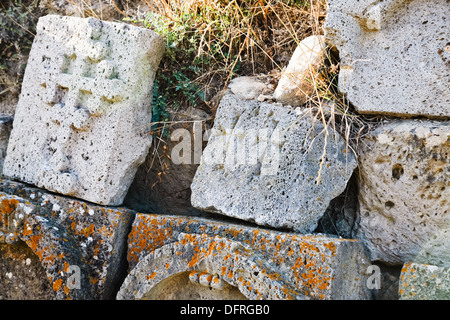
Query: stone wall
264	201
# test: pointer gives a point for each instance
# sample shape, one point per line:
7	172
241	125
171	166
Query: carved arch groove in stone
223	259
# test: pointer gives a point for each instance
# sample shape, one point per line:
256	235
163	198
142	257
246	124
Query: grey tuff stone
270	164
395	55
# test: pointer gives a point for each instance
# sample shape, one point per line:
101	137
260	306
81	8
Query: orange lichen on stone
27	230
151	276
34	242
147	236
93	280
8	206
57	284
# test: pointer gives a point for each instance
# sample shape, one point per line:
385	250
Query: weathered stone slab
80	124
67	236
424	282
404	175
270	164
244	257
395	55
298	80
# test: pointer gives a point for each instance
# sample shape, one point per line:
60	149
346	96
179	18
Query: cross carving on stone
87	85
90	83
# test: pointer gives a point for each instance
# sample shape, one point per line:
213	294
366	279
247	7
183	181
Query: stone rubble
298	80
65	232
300	266
79	131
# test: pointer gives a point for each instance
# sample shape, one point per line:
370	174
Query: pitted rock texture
395	55
80	127
298	81
270	164
63	232
302	266
404	175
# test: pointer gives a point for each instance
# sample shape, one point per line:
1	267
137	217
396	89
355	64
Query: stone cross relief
86	86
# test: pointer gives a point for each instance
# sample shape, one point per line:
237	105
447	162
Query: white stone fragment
297	82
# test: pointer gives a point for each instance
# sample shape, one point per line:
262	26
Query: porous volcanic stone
80	127
395	55
271	164
404	175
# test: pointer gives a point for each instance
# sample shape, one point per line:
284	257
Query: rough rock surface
395	55
80	125
404	175
266	163
227	260
64	232
298	80
424	282
302	266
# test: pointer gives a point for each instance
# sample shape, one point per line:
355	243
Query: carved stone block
80	124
